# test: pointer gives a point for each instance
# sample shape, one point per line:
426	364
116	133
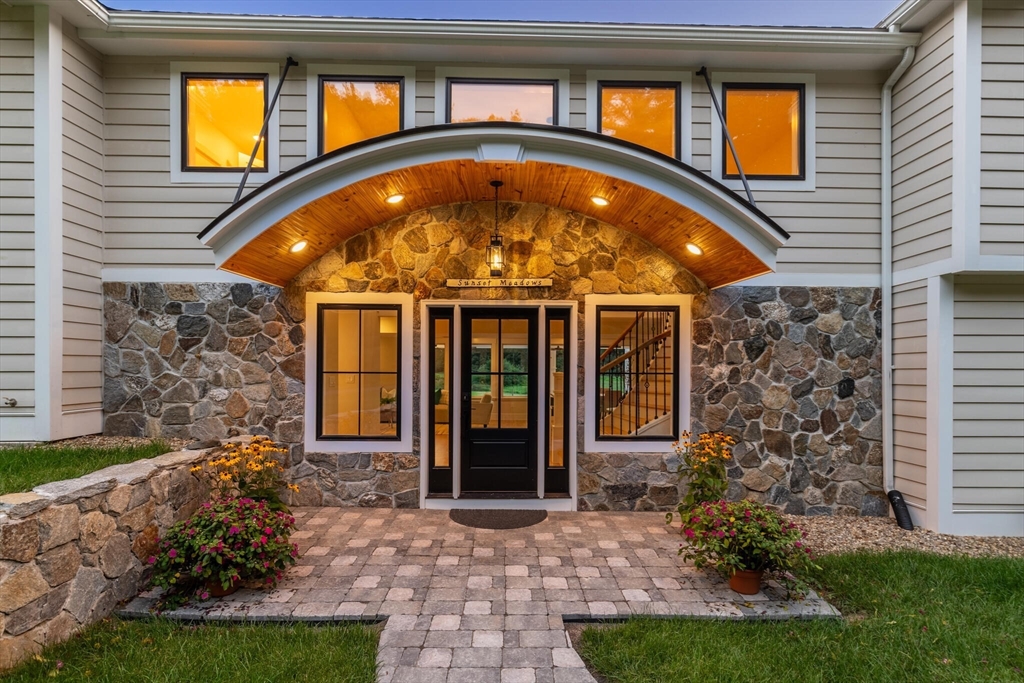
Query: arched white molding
505	142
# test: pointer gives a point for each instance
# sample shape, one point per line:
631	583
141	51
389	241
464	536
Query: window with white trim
463	94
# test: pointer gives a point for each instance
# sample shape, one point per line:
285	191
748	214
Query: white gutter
887	403
171	24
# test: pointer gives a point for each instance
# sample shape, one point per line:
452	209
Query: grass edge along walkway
909	616
22	468
164	651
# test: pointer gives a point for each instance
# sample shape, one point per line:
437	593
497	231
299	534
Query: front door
499	401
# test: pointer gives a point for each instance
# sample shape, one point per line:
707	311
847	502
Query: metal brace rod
263	131
725	130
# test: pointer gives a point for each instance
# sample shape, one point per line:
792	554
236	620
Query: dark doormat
498	519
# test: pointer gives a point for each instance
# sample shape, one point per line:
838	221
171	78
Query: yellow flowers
246	468
704	466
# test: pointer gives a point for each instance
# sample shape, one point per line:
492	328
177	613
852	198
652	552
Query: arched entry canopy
333	197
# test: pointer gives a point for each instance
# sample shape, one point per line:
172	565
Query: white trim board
140	274
966	153
443	73
273	149
807	80
681	78
315	71
684	349
403	444
49	221
939	410
549	504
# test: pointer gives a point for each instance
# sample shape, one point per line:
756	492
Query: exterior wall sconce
495	254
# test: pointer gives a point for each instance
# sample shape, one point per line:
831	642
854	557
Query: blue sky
853	13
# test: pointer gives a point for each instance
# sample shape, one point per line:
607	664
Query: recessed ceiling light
395	198
298	246
694	249
600	201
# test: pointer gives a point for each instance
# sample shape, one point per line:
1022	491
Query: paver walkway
480	606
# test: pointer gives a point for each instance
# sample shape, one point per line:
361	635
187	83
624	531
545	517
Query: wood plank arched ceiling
330	220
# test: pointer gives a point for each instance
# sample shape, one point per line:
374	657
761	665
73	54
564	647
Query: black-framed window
502	99
767	125
637	374
441	360
642	112
222	115
359	372
356	108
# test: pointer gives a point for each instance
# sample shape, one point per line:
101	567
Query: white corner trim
683	79
313	104
939	411
138	274
810	106
985	523
922	272
837	279
273	149
966	200
49	220
443	73
404	444
684	348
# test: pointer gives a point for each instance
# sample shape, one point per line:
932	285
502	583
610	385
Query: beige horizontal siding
292	107
1002	128
578	99
922	150
83	127
17	204
988	393
425	87
910	391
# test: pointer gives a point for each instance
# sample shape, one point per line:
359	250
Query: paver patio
481	606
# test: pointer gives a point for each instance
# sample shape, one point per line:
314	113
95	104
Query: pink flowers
172	553
689	533
233	531
152	559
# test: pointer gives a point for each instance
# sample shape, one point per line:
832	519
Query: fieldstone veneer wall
211	360
70	551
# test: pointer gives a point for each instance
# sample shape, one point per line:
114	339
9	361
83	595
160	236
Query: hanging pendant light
495	251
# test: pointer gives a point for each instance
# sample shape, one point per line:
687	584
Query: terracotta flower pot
217	590
746	581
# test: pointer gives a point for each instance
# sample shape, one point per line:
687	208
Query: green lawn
909	617
24	467
152	651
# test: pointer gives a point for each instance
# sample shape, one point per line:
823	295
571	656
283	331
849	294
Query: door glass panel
557	388
515	367
442	392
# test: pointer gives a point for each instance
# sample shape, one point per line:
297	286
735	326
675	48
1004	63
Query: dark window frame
799	88
661	85
202	75
340	78
676	312
439	479
399	394
502	81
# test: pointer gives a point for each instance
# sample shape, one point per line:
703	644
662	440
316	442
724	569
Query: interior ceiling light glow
694	249
395	198
600	201
298	246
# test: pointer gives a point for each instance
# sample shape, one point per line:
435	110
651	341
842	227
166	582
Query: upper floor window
223	115
355	108
644	113
527	101
766	121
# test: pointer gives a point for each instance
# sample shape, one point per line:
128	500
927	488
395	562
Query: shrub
745	536
248	470
225	542
704	467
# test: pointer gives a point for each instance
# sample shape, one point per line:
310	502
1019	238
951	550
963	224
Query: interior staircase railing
635	373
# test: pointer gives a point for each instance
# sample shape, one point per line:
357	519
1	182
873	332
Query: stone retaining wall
72	550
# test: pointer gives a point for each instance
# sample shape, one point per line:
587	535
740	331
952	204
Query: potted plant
250	470
703	465
223	545
745	540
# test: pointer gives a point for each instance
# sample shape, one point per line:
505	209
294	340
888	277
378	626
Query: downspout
887	403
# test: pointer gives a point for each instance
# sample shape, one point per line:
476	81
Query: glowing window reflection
523	101
355	110
644	114
767	128
223	118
